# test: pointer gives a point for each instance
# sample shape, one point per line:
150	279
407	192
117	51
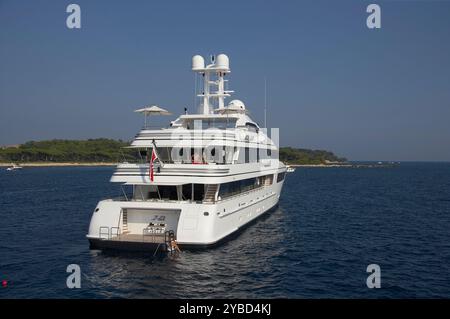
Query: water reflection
233	269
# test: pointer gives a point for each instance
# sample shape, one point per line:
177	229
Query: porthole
97	209
206	214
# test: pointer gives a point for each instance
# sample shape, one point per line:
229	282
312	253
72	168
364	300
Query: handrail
120	216
111	231
100	233
123	191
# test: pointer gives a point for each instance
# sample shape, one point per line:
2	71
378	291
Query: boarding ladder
125	222
170	244
210	194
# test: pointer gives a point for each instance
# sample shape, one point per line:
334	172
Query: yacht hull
196	226
100	244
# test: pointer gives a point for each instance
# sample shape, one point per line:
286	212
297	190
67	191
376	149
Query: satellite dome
236	105
198	63
222	62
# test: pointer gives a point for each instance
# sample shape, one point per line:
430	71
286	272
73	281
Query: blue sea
331	224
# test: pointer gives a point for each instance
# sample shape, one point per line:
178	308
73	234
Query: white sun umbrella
152	110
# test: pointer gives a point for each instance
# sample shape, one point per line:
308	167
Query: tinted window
280	177
168	192
199	192
187	191
237	187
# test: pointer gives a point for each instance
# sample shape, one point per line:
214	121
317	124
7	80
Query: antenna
265	102
195	92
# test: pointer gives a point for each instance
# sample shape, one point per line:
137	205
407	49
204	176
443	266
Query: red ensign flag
152	159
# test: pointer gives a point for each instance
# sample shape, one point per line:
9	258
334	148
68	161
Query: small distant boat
14	167
290	169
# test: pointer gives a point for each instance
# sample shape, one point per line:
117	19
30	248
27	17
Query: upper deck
206	129
218	142
177	174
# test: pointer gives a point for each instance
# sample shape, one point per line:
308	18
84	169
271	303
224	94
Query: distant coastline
58	164
109	152
106	164
62	164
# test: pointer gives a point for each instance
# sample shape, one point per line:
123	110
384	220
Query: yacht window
251	127
268	180
247	155
218	123
206	124
280	177
229	154
143	153
199	192
197	155
168	192
224	123
241	156
164	154
153	195
265	153
234	188
127	191
144	192
187	191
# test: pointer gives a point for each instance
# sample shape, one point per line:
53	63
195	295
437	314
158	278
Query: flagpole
156	153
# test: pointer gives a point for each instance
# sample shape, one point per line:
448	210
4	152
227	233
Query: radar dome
236	105
198	63
222	62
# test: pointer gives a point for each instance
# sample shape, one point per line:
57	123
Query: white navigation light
198	63
222	62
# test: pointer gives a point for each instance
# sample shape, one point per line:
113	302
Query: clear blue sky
333	83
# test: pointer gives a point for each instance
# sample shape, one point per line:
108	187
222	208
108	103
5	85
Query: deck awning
153	110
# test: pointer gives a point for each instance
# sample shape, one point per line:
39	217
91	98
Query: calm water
331	223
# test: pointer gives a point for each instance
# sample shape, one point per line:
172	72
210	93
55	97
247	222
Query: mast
214	92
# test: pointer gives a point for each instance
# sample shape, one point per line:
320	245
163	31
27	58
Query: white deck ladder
211	192
125	222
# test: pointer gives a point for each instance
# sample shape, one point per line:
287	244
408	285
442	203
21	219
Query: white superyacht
200	179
